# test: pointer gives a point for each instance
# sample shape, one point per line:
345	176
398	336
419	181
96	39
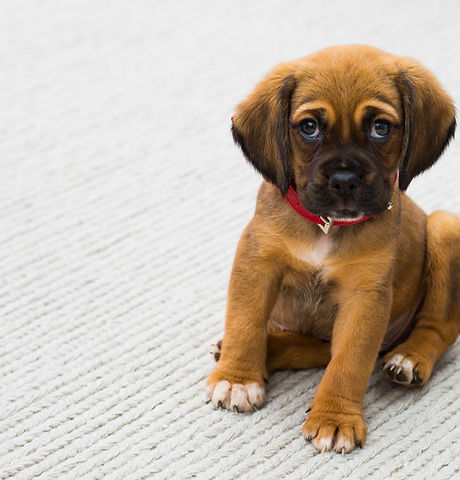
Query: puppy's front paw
234	394
341	432
407	369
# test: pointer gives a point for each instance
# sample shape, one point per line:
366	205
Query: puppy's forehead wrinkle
375	106
344	78
318	107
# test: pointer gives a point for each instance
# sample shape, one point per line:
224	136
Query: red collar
325	223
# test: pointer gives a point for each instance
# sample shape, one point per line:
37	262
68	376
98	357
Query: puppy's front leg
237	382
336	417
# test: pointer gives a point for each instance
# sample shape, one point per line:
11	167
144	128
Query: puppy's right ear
261	125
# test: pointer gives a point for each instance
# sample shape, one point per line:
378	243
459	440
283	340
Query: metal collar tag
328	222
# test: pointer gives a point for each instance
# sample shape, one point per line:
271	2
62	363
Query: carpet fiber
122	198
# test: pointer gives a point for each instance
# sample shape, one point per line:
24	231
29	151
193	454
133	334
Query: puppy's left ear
429	119
261	125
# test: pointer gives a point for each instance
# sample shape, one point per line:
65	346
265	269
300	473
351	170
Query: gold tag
328	222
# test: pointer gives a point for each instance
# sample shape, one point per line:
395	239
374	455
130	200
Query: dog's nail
217	356
208	401
308	410
254	407
308	438
220	404
219	344
416	380
383	366
343	451
359	444
236	409
323	449
266	380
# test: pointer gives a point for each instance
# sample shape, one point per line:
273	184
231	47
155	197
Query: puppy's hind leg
289	350
438	321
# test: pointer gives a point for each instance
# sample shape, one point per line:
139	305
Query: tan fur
292	287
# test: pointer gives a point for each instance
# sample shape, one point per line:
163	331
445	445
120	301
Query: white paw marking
323	444
240	398
221	394
343	445
237	397
256	394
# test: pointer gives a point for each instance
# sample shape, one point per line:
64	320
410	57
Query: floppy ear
429	120
261	125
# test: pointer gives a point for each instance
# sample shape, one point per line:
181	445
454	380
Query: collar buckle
328	223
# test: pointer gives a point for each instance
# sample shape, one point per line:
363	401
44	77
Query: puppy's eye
309	129
380	128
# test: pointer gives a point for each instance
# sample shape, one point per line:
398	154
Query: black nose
344	182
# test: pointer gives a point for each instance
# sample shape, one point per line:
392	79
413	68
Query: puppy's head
341	123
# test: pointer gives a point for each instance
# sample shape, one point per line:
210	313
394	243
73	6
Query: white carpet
122	198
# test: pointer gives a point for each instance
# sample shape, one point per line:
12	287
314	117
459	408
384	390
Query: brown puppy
329	133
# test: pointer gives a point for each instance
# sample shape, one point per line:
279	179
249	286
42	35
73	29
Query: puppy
338	264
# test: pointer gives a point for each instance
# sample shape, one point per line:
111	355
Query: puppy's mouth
366	200
346	215
348	212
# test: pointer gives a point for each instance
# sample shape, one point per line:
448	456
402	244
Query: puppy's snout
344	183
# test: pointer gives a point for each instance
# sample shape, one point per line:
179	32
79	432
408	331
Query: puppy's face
339	124
346	133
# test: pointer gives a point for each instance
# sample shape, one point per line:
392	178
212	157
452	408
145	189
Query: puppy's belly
305	307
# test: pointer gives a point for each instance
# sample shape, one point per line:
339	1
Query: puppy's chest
306	302
316	257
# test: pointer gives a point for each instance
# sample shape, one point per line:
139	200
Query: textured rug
122	198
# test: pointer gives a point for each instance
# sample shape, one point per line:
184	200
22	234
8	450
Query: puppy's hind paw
217	347
404	369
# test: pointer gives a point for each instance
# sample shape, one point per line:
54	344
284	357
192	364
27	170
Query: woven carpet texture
122	198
